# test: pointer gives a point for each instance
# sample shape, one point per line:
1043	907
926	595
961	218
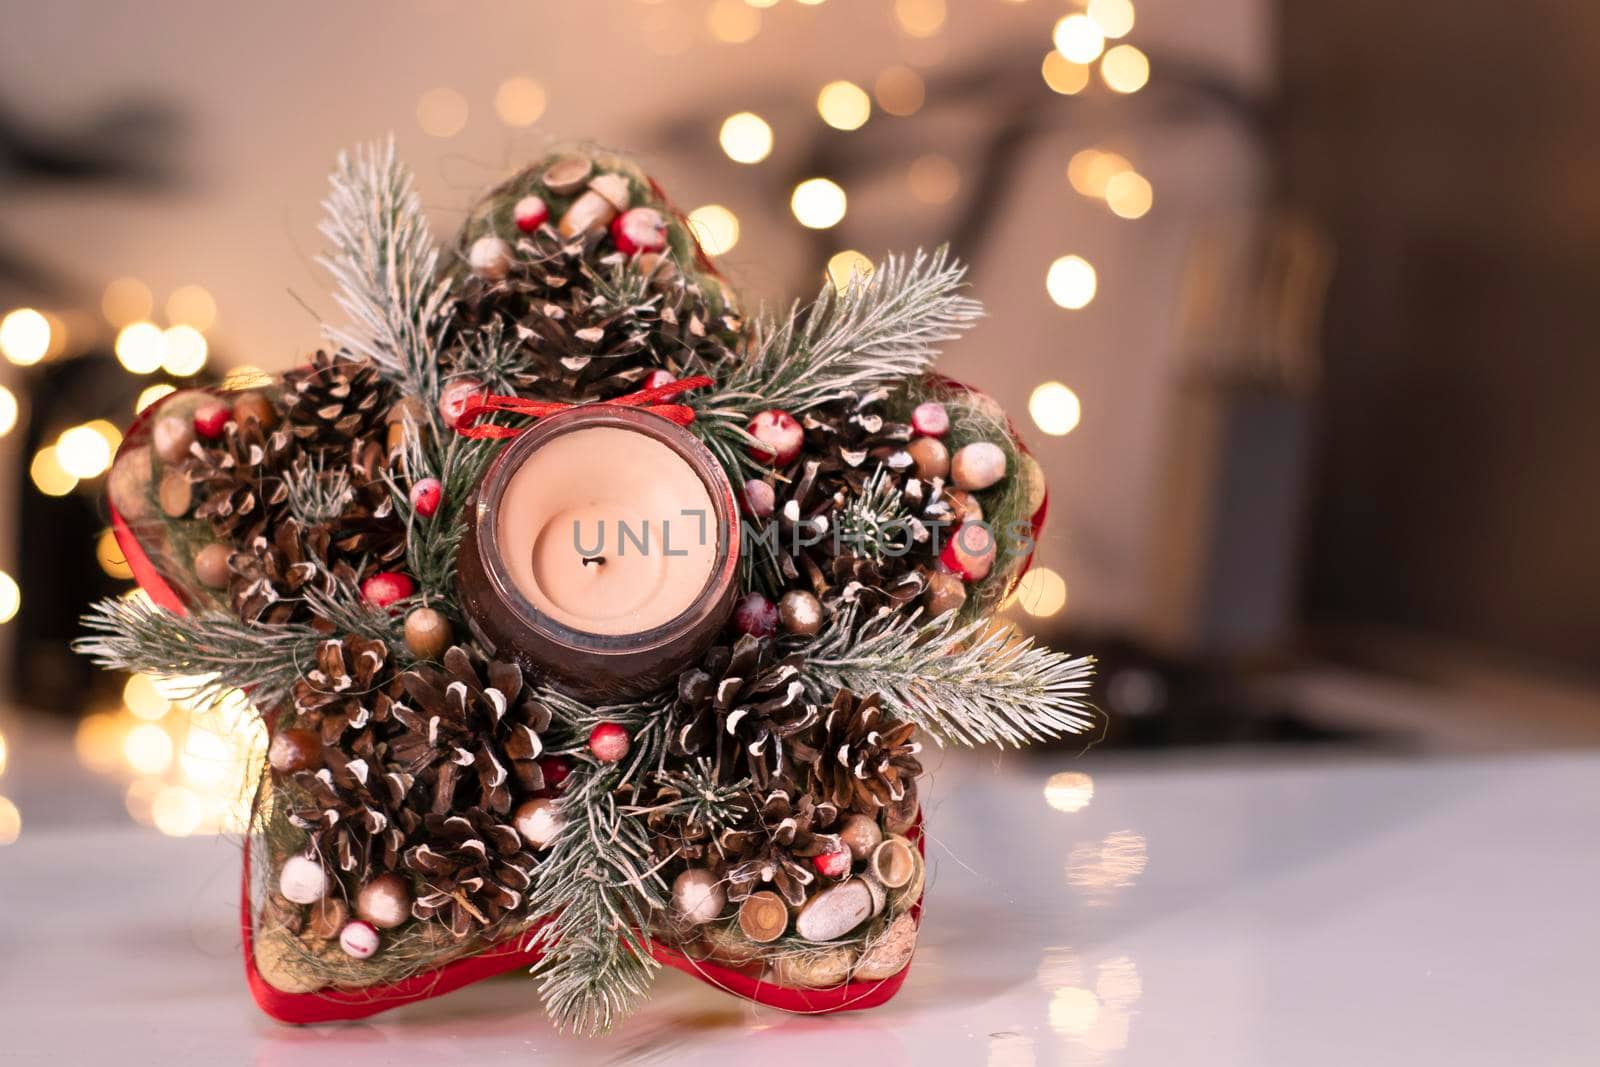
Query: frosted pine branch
964	685
384	260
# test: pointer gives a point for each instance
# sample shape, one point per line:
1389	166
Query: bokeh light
920	18
818	203
442	112
1128	194
98	741
843	266
148	748
5	754
1077	38
519	101
715	227
8	411
1091	170
185	351
900	91
1041	593
10	598
1062	75
83	452
733	22
1114	17
746	137
126	300
1071	282
192	306
141	347
24	336
176	810
1055	409
1069	791
143	699
49	476
1125	69
10	821
151	393
110	556
844	105
934	179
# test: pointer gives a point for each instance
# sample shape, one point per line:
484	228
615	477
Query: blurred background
1292	299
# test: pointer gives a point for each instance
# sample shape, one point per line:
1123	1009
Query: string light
1114	17
126	300
1055	409
442	112
151	393
143	699
844	105
1077	38
519	101
184	351
48	475
846	265
1091	170
24	337
148	748
733	22
1129	195
920	18
1042	592
715	227
10	598
1070	282
818	203
1062	75
900	91
933	178
246	377
192	306
110	557
10	821
1069	791
8	411
1125	69
140	347
746	137
83	452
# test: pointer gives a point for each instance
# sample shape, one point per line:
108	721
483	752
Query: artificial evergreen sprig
385	262
966	685
599	881
875	522
875	333
458	463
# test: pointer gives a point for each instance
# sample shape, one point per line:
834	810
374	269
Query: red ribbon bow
647	399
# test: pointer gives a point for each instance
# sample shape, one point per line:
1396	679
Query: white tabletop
1258	911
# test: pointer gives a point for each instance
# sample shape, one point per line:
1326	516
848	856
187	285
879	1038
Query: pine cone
786	831
354	808
272	574
474	869
863	760
471	716
335	402
240	479
591	322
741	709
349	688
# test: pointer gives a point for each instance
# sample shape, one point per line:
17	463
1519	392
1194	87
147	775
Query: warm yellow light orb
141	347
49	477
10	821
176	811
8	411
442	112
732	22
126	300
900	91
193	306
83	452
746	137
1077	38
1091	170
1062	75
1055	409
148	749
920	18
1128	194
143	699
110	556
185	351
844	105
1125	69
933	178
715	227
151	393
1114	17
1069	791
519	101
24	337
844	267
10	598
1042	592
1070	282
818	203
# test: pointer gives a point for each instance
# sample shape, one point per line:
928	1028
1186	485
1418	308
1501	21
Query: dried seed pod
889	953
175	494
823	969
253	406
725	944
618	193
931	457
945	592
427	633
763	917
567	175
906	897
589	213
327	918
893	862
537	821
835	911
278	962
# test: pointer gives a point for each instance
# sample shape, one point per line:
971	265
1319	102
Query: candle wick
596	560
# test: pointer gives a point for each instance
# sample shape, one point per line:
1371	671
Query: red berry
755	615
426	493
833	864
530	213
640	229
657	378
757	498
609	742
386	587
556	770
930	419
969	553
210	418
453	399
779	435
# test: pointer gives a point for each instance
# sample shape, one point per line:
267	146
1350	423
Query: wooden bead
211	565
255	407
172	435
302	880
567	175
814	970
834	912
385	902
428	633
327	918
294	750
889	953
978	466
945	592
175	494
538	822
930	456
893	862
698	896
800	612
860	834
763	917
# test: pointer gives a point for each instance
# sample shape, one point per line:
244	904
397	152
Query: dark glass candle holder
591	666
